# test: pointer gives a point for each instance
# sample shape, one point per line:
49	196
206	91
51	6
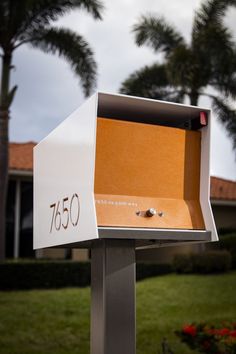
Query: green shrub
147	270
43	274
226	231
203	263
182	263
37	274
228	242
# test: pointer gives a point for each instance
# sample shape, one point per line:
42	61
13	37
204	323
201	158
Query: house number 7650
65	212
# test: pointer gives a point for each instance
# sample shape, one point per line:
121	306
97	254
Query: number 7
52	206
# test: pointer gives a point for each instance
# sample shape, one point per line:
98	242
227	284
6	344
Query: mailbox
123	167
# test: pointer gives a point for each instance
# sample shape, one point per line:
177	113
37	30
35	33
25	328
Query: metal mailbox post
118	175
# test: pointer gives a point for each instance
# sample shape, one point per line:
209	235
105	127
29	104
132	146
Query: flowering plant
209	339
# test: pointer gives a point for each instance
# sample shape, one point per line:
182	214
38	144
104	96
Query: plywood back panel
156	165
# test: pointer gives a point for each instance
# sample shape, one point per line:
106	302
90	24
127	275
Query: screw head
151	212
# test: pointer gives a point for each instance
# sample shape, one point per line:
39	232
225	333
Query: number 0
74	196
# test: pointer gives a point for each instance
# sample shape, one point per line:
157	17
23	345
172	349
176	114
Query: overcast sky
48	91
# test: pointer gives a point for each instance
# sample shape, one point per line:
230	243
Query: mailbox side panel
205	180
64	208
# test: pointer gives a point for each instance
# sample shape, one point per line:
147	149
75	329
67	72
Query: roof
21	159
21	156
223	189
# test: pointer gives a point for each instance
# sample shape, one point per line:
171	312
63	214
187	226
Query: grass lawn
57	321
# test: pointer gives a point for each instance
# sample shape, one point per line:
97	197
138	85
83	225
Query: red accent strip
203	118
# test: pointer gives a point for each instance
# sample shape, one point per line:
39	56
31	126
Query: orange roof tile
223	189
21	158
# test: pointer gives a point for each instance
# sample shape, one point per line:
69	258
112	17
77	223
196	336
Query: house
19	242
223	201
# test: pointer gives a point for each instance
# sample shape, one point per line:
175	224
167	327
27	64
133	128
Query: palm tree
190	69
29	22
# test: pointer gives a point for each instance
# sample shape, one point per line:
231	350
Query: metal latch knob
151	212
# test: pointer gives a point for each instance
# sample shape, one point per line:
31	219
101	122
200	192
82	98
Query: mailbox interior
141	166
148	155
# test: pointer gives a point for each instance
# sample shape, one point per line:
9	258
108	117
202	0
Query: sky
48	91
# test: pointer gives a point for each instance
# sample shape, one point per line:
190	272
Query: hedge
35	274
147	270
228	242
43	274
203	263
226	231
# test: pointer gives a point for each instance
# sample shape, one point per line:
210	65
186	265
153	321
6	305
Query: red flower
190	329
233	334
212	331
223	332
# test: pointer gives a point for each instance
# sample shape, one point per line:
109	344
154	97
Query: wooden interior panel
141	166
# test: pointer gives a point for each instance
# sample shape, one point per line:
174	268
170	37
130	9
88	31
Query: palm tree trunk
4	118
194	96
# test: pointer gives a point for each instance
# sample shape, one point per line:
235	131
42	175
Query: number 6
58	218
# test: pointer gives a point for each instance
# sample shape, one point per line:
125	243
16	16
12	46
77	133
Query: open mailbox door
123	167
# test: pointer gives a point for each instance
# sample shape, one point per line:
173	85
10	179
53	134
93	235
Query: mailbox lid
141	166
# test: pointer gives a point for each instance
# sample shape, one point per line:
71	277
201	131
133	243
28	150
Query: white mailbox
123	167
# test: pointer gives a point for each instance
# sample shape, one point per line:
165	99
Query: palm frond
213	41
50	10
152	82
26	16
181	66
211	11
45	11
212	45
227	116
212	50
73	48
224	78
210	14
157	34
